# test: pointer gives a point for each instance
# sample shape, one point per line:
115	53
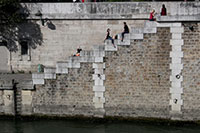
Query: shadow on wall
21	30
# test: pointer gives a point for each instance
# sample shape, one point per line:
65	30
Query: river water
66	126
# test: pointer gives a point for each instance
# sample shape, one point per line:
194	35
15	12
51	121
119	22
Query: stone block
176	42
26	99
49	70
176	24
37	75
74	59
150	30
176	48
38	81
127	36
176	107
99	88
176	60
137	30
173	78
99	66
98	71
61	67
98	100
137	36
164	24
99	53
176	101
49	76
99	94
100	76
109	46
99	47
176	66
150	24
175	71
61	70
176	29
27	93
125	42
176	96
176	90
176	36
175	84
87	59
86	53
98	105
8	97
175	54
98	59
98	82
74	65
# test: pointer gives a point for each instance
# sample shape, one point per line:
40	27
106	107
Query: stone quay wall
153	73
70	25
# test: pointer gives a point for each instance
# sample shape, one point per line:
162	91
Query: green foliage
9	12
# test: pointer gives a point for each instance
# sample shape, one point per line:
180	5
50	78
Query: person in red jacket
152	14
83	1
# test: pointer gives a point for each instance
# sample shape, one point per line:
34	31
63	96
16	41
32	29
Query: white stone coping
100	76
176	90
37	75
99	88
97	65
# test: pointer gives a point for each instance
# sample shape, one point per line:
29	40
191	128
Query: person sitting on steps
126	31
108	37
78	51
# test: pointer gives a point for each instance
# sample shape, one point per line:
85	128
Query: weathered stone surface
137	77
70	94
191	71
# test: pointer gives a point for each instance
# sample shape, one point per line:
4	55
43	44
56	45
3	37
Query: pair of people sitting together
108	36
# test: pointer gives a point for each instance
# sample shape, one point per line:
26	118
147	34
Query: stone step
62	67
109	46
94	53
99	47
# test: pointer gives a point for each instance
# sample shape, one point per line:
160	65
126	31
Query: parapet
176	11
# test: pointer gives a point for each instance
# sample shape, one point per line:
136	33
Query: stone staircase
96	57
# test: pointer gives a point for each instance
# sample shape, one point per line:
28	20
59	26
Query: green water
61	126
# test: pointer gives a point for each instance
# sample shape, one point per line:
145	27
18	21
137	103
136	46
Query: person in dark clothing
163	10
78	51
126	30
108	37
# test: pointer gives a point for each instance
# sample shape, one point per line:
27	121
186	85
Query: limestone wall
71	94
153	73
137	77
69	25
191	73
48	46
6	102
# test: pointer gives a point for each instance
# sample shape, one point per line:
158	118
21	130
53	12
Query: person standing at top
126	30
152	14
83	1
163	10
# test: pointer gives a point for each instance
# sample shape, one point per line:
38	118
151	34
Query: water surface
66	126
